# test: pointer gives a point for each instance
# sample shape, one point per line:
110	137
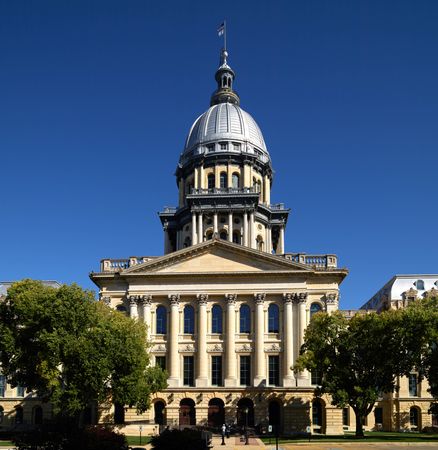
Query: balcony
314	261
117	265
227	190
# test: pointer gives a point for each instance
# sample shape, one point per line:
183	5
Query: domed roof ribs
225	78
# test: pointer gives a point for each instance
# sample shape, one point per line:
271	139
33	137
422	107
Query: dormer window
223	145
419	284
210	148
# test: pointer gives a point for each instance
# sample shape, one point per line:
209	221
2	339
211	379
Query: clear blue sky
96	98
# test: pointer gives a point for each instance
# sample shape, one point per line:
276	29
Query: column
167	248
201	178
302	301
146	302
230	226
245	229
229	176
194	237
260	366
267	190
172	342
230	365
195	178
202	372
269	239
252	235
217	177
200	229
288	342
215	226
281	240
133	309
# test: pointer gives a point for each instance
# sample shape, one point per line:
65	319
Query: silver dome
229	124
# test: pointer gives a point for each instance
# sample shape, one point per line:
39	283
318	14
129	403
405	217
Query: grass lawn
6	444
135	440
370	436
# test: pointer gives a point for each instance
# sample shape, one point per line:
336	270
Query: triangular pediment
216	256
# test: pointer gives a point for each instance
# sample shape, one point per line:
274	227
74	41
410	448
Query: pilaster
260	369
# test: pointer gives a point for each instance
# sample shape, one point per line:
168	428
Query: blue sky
96	99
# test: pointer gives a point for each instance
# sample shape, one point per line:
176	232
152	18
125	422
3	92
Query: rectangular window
2	385
216	370
274	370
378	415
223	145
413	385
189	372
160	361
316	378
245	370
236	146
20	391
346	417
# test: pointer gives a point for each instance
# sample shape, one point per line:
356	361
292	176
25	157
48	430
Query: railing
169	209
117	265
227	190
316	261
277	206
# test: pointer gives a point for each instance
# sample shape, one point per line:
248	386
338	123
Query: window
211	181
273	318
317	413
245	370
20	391
236	146
189	373
160	361
413	417
259	242
419	284
223	145
210	148
378	415
161	320
236	237
245	319
216	370
2	385
274	370
216	319
346	417
223	180
413	385
316	377
315	308
38	415
189	320
235	179
2	414
223	235
18	415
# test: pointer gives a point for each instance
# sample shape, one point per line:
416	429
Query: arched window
38	415
18	415
209	235
259	186
236	237
419	285
121	308
216	319
223	235
159	412
315	308
161	320
223	180
235	180
187	242
413	417
317	413
189	320
273	318
259	242
210	181
245	319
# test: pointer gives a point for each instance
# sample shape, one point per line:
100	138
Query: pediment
216	256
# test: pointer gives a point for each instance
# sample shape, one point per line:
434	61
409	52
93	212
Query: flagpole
225	35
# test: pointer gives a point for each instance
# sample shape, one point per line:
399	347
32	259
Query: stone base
201	382
173	382
289	382
230	382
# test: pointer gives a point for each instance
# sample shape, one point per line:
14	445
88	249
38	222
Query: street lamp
246	411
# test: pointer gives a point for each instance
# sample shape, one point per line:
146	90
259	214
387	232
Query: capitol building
227	305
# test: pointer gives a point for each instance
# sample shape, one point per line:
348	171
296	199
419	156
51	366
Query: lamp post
246	411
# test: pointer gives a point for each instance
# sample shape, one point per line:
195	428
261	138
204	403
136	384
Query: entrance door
245	412
187	413
216	413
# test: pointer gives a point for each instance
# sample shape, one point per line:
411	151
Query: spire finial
225	78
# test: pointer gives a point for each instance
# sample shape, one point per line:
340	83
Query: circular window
223	220
209	222
236	221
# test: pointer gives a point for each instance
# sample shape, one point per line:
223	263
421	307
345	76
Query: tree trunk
359	426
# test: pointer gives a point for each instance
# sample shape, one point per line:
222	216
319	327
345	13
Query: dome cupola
224	78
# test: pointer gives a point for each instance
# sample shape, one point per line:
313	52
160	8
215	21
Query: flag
221	29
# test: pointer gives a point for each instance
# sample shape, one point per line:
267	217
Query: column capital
301	297
145	300
288	297
107	300
133	299
231	298
174	299
259	298
202	299
331	298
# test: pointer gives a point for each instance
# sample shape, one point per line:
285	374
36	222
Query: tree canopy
358	358
72	350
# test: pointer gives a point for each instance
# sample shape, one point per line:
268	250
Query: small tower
224	176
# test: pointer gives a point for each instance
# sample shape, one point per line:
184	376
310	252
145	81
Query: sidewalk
234	443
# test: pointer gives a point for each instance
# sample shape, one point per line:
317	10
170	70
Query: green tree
74	351
359	358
